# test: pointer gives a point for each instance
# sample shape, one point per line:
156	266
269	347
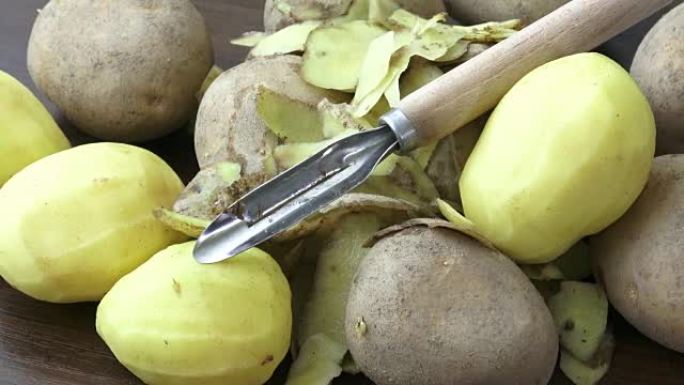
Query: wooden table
45	344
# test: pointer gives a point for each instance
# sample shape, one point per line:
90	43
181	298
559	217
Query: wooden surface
44	344
578	26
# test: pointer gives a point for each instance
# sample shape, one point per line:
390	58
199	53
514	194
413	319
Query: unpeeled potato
481	11
640	259
122	70
431	306
658	68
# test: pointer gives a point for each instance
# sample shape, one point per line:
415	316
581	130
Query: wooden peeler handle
476	86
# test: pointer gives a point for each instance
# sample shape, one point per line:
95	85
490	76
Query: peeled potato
78	220
174	321
575	128
27	131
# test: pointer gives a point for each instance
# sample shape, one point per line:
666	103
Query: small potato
640	259
658	68
75	222
432	306
279	14
481	11
123	70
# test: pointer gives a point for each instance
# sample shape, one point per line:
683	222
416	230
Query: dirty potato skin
481	11
275	19
228	126
640	259
658	68
435	307
123	70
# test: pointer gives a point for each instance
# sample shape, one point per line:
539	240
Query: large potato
658	67
640	259
481	11
75	222
564	155
27	131
281	13
435	307
122	70
228	126
174	321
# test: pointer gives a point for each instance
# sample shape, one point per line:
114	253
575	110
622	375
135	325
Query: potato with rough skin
658	68
174	321
640	260
481	11
78	220
121	70
229	127
27	131
432	306
281	13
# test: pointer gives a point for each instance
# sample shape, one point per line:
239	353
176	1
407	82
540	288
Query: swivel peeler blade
295	194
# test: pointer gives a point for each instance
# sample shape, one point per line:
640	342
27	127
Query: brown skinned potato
658	67
431	306
121	70
228	126
481	11
640	259
300	10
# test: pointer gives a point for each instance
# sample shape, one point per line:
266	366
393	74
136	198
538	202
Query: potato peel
329	216
462	223
580	311
339	50
288	40
187	225
592	371
318	362
289	119
249	39
336	119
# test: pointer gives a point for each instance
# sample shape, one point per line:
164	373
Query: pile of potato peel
491	256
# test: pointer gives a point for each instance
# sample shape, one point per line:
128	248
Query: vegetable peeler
429	114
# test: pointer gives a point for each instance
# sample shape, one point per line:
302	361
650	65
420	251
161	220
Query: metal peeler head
295	194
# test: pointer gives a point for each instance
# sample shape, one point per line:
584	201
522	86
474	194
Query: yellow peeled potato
75	222
27	131
174	321
564	155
